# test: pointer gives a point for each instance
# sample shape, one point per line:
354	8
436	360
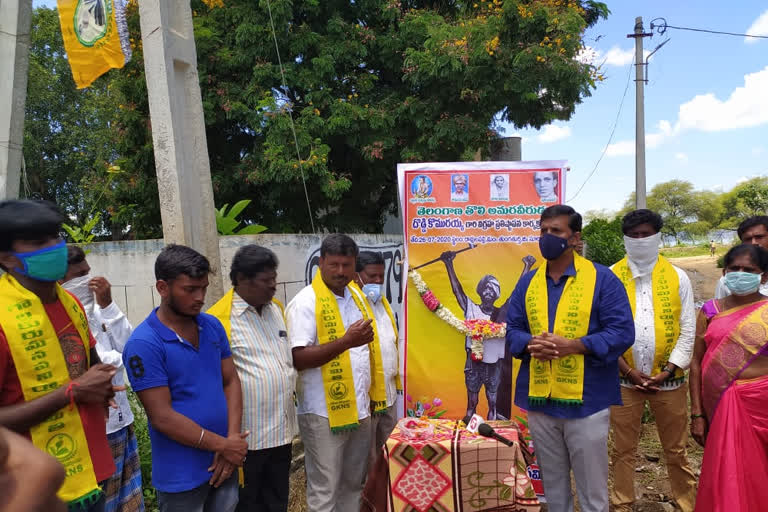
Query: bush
604	240
145	452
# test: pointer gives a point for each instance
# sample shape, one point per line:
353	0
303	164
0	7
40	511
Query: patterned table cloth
456	470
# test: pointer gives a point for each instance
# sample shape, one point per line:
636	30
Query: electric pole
638	35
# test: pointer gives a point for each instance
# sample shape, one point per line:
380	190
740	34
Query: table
458	471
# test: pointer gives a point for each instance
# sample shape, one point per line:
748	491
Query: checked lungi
123	489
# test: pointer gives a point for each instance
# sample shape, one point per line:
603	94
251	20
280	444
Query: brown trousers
671	411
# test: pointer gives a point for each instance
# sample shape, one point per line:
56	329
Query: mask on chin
643	252
79	288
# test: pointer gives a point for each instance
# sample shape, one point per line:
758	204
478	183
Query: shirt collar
165	332
240	306
570	271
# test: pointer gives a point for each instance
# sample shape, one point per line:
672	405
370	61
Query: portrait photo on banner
471	229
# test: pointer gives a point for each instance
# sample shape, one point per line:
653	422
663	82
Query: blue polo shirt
611	332
155	356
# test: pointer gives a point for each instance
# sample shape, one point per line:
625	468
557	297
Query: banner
471	229
95	36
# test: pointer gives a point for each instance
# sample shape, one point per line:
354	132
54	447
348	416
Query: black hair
175	260
75	254
757	254
556	210
250	260
751	222
338	245
641	216
368	258
25	219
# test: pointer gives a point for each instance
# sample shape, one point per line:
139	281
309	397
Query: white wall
129	266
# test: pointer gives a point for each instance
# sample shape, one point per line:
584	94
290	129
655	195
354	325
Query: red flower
475	357
430	300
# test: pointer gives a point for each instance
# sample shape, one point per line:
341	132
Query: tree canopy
368	84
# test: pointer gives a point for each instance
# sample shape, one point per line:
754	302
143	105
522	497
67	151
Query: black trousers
266	480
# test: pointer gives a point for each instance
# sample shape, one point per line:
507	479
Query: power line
610	138
663	26
290	116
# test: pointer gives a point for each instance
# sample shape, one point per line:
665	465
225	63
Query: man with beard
180	365
111	329
486	372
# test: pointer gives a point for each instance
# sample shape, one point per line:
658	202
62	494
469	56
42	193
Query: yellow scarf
337	373
560	380
223	310
384	300
665	284
41	368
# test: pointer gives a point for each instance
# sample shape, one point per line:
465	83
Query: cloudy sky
706	103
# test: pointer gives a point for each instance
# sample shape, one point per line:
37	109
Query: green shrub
604	241
145	452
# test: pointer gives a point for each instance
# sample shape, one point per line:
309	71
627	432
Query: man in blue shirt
180	365
569	422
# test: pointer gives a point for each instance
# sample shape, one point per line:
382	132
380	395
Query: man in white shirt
111	329
753	230
257	335
653	369
370	277
337	439
459	187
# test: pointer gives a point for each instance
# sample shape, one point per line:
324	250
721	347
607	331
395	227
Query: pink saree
734	471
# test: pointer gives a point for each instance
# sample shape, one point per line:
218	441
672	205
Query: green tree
604	240
369	84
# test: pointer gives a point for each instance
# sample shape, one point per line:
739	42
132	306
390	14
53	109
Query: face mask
742	283
79	288
551	246
643	251
49	264
372	291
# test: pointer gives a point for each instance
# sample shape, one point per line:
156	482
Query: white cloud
618	57
614	57
621	148
681	157
551	133
746	107
758	28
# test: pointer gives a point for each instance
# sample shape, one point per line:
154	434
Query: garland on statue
477	330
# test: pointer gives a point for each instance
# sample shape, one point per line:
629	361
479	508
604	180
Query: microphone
486	430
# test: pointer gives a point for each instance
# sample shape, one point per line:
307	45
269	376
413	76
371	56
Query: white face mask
643	251
79	288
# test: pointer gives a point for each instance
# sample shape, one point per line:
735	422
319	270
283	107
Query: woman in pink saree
729	389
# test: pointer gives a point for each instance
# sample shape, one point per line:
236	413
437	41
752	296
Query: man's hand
542	349
448	256
95	386
102	290
221	469
564	346
640	380
654	383
235	449
699	430
29	478
359	333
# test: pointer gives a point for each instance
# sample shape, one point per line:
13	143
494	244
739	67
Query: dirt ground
651	482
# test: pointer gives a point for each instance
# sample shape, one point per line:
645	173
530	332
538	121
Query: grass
685	251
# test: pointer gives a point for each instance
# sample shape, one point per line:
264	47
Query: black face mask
552	246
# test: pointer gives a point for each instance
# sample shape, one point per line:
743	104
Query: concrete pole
178	131
15	22
639	116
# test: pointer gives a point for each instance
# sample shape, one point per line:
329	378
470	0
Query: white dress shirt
644	348
387	342
112	329
302	332
262	356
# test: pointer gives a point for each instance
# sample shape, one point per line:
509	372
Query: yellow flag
95	37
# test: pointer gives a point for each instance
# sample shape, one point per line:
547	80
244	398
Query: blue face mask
49	264
372	291
742	283
552	246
